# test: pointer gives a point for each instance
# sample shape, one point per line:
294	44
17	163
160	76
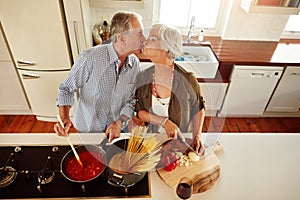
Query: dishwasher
249	90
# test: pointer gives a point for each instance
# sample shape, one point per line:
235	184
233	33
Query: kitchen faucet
190	33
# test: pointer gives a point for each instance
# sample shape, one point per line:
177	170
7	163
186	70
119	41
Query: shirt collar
113	57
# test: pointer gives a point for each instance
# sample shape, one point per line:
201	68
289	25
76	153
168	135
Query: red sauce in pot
92	166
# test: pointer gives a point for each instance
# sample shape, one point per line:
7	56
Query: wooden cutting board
204	173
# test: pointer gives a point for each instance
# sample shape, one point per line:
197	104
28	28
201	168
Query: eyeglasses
153	38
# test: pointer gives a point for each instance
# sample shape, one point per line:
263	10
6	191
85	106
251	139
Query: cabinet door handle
23	62
295	74
30	76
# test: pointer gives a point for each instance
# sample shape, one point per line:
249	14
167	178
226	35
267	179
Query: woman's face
153	44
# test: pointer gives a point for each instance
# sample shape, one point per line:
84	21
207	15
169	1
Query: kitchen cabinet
13	98
286	97
213	95
289	7
36	32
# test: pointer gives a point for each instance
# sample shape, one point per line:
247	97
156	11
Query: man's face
136	37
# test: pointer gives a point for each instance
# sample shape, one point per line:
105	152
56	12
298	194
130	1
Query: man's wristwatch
123	122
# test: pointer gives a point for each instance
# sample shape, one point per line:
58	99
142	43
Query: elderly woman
168	97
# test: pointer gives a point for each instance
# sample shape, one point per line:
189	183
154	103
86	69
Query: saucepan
92	158
95	159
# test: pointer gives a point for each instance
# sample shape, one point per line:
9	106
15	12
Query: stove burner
7	176
45	177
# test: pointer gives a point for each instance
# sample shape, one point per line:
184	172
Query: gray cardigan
185	101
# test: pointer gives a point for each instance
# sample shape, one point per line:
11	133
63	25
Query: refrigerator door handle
25	63
30	76
75	26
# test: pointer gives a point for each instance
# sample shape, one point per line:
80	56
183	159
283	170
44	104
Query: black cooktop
28	161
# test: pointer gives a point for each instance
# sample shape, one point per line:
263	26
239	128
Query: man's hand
113	130
63	131
66	121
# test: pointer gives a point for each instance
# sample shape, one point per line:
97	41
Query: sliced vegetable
171	162
193	156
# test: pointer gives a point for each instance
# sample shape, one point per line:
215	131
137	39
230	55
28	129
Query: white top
160	107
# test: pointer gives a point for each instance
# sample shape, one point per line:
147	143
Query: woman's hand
134	122
172	130
198	146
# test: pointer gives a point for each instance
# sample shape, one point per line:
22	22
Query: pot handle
115	179
103	143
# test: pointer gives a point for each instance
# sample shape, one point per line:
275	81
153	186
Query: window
180	12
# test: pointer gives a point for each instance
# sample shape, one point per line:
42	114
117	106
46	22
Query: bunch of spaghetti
142	154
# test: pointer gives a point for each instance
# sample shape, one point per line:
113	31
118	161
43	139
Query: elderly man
105	77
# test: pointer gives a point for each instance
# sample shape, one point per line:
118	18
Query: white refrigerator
38	37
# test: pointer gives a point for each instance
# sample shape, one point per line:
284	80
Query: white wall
247	26
240	25
147	12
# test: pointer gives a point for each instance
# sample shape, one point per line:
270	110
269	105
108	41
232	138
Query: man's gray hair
171	39
121	23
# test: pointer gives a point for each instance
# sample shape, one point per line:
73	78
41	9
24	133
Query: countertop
285	52
253	166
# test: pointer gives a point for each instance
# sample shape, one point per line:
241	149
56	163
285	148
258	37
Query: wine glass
184	188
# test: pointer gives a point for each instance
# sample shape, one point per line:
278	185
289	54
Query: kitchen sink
200	60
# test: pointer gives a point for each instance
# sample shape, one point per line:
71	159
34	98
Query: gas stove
34	172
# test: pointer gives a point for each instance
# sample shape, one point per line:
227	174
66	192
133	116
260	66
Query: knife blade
187	145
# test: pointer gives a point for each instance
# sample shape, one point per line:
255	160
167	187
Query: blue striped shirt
104	93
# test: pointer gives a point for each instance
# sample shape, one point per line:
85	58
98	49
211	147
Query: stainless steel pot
119	178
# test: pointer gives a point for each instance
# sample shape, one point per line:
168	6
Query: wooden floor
29	124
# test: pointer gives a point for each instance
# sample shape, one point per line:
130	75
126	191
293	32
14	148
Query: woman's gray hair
121	23
171	39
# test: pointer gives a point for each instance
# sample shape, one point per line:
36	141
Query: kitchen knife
187	145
